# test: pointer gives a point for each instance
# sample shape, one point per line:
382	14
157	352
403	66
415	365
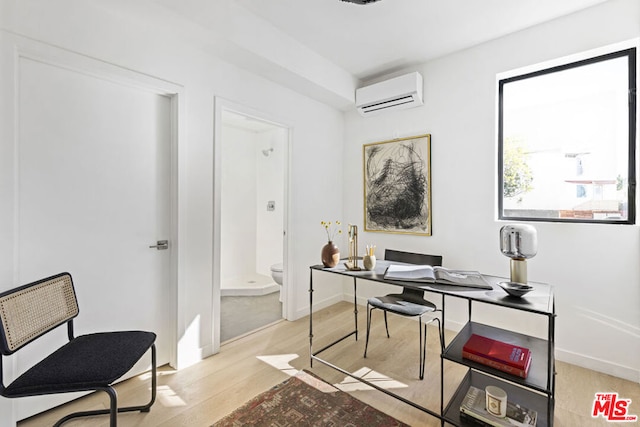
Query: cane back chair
91	362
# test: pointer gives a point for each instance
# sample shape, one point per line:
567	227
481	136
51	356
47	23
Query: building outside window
566	142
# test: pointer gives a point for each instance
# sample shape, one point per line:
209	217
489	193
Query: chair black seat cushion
403	304
84	363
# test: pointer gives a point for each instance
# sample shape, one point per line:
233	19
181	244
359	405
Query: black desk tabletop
539	300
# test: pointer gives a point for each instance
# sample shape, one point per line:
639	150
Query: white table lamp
519	242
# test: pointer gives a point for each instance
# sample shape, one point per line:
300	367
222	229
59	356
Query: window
566	142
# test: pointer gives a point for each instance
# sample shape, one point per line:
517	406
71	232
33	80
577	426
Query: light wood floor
203	393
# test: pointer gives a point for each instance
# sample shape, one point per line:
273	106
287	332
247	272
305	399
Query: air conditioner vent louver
394	94
388	104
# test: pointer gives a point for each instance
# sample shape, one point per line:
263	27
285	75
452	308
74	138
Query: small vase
330	255
369	262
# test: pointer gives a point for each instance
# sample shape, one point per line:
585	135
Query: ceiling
326	48
369	40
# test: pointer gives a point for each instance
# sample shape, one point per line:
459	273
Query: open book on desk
430	274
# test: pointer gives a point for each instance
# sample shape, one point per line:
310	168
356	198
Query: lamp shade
519	241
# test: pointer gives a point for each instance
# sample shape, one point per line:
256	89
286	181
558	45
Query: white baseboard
598	365
319	305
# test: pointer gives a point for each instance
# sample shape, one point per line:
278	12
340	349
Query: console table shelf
537	391
530	399
538	378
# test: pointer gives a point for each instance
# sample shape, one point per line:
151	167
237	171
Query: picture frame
397	185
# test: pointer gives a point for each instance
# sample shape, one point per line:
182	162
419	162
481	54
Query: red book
506	357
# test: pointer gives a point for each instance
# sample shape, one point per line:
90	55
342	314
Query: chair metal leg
423	346
366	344
440	331
423	337
386	324
423	342
440	334
369	310
154	381
112	411
113	396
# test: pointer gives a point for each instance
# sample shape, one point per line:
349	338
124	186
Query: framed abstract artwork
397	185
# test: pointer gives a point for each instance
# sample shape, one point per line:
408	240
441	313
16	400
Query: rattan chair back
32	310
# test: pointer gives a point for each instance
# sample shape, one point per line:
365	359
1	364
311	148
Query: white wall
251	236
239	203
594	268
270	176
139	37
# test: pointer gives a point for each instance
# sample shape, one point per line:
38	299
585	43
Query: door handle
161	245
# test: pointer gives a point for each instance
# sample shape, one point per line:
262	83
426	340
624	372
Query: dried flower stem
331	229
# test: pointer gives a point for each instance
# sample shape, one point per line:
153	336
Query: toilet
276	275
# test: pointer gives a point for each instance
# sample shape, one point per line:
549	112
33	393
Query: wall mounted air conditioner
398	93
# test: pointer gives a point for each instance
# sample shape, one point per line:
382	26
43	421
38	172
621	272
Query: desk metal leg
551	374
311	318
355	306
443	345
313	355
443	320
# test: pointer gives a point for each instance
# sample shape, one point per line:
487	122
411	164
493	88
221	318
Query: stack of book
506	357
473	411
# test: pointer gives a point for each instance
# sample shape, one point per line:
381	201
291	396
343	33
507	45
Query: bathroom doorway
253	173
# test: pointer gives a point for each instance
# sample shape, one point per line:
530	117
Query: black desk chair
86	363
409	303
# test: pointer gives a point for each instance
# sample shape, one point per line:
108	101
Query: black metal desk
539	301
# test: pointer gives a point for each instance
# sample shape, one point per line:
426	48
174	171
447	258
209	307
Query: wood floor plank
202	394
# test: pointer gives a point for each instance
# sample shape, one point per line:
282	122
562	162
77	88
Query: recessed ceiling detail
360	1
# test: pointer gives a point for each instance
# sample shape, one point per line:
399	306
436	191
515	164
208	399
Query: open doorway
252	177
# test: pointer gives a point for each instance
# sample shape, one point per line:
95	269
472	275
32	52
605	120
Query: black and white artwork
397	186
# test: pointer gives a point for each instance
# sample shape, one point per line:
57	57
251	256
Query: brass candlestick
352	263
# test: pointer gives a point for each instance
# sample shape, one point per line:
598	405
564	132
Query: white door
93	176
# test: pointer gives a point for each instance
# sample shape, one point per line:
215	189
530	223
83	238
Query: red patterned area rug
306	400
